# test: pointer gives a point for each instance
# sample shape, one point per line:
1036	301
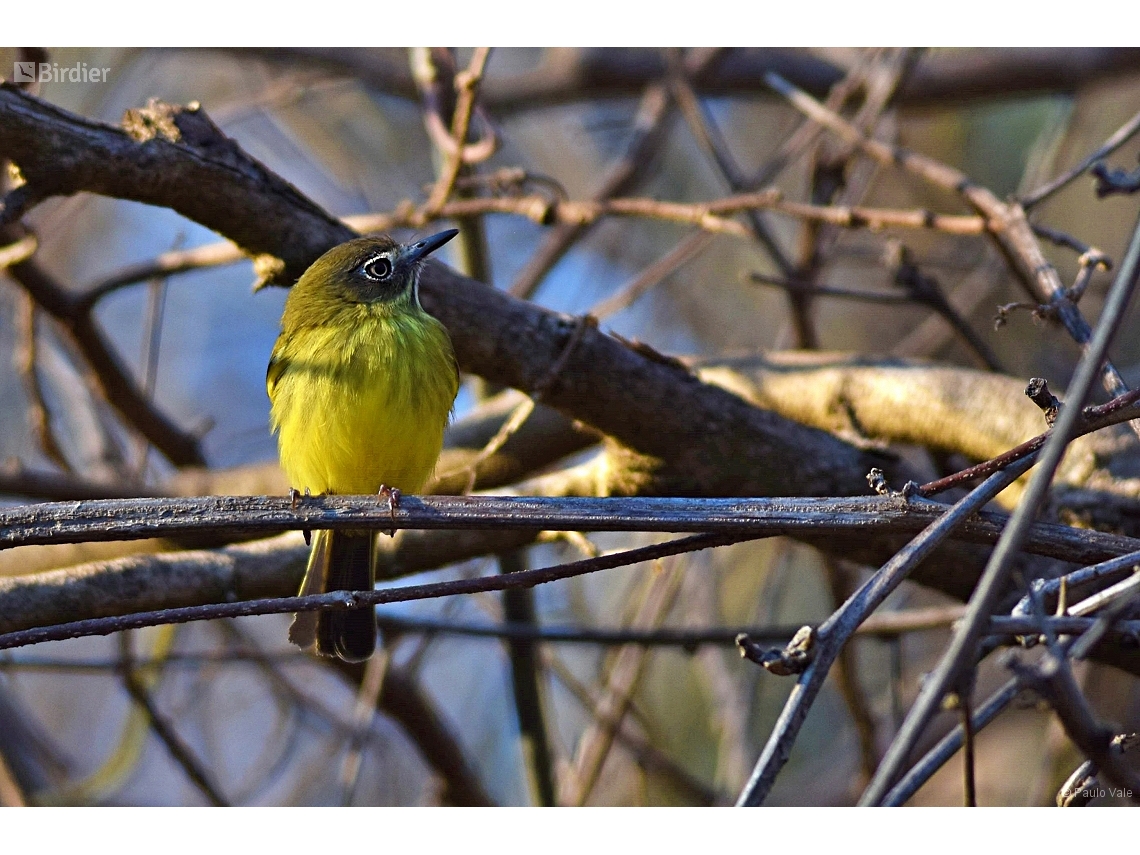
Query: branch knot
792	659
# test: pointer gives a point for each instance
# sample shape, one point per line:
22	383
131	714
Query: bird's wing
278	362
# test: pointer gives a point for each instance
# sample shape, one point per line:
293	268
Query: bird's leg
294	503
392	494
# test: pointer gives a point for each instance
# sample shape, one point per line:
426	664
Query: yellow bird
361	384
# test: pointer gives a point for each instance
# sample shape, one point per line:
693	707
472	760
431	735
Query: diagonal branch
114	379
172	157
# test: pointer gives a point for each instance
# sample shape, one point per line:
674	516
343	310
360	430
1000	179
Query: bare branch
1007	223
650	127
948	746
1052	679
357	599
246	516
173	742
838	628
1119	138
467	87
115	381
175	158
963	646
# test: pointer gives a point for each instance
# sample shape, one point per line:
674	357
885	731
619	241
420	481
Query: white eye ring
379	268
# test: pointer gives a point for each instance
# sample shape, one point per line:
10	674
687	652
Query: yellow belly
365	406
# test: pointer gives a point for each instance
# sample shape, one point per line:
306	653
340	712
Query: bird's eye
378	268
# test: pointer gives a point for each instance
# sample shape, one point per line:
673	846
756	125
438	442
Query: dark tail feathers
349	634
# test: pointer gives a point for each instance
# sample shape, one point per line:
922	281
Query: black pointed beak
421	249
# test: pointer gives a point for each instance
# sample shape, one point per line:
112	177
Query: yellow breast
362	403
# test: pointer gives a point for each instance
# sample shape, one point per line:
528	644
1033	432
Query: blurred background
273	726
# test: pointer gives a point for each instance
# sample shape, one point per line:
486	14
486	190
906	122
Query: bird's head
374	270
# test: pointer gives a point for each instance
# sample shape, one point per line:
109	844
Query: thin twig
115	382
712	216
708	136
38	413
832	182
467	88
525	408
842	580
925	290
1126	588
1119	138
436	78
628	666
1090	261
527	677
1043	588
181	752
966	711
677	257
889	626
358	599
250	652
1126	407
935	301
166	264
148	358
650	128
362	717
1120	597
889	298
801	139
1068	241
948	746
647	755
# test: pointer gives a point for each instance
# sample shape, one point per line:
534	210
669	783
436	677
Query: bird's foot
294	503
392	494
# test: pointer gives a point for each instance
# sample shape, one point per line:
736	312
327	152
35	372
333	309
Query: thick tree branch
172	157
713	441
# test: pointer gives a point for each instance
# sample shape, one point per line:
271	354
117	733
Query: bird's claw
392	494
294	503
